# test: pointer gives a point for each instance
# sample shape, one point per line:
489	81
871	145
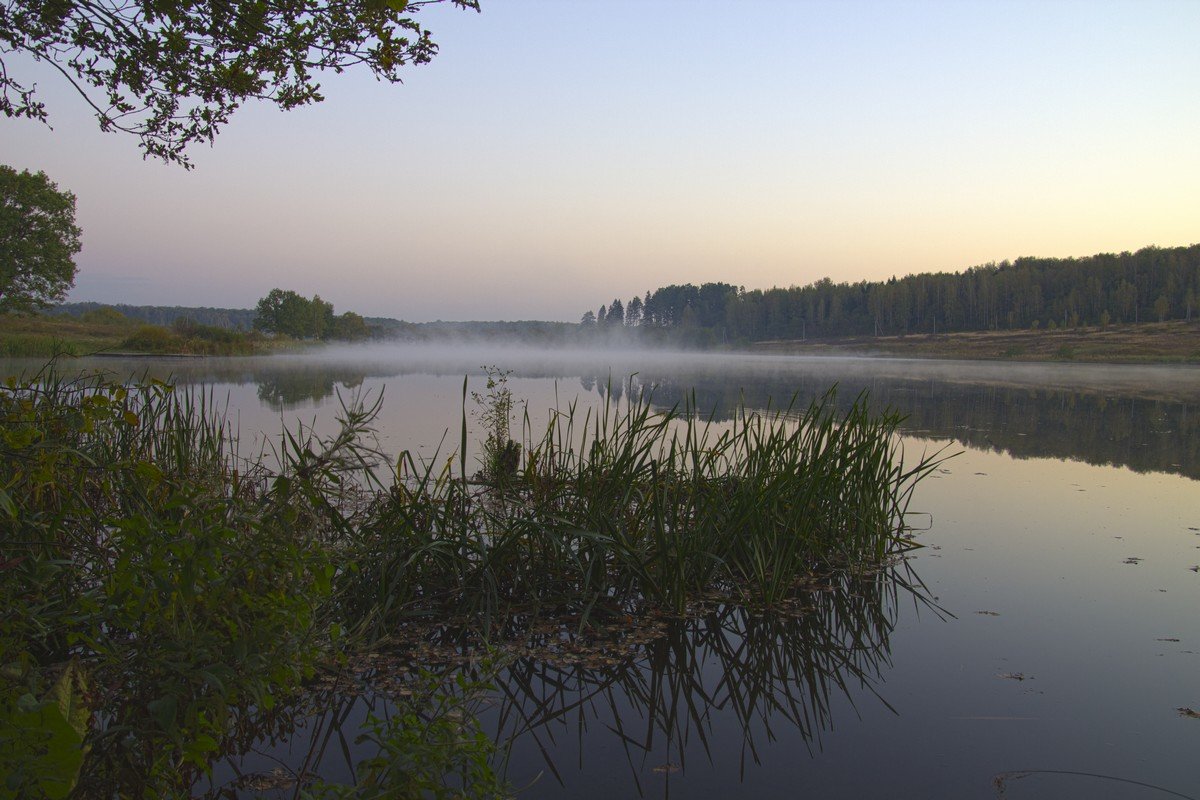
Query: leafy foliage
162	595
189	337
42	741
38	239
349	327
188	591
172	73
286	312
241	319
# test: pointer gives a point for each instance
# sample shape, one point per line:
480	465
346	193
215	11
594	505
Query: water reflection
1144	433
1035	559
1143	417
717	687
284	390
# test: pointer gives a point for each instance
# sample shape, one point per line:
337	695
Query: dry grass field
1174	341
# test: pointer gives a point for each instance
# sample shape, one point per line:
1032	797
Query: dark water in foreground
1056	637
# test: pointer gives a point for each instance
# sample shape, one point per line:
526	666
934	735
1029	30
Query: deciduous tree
1162	307
38	241
286	312
349	327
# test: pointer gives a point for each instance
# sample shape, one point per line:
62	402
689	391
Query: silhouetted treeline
1153	284
533	332
530	332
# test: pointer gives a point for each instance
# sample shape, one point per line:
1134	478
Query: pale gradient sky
557	154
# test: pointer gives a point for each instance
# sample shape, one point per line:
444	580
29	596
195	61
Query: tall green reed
624	506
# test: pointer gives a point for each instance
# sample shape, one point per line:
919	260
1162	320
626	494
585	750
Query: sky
557	154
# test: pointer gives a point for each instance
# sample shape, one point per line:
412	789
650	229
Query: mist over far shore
619	362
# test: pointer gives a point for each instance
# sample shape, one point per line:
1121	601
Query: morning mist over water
1140	416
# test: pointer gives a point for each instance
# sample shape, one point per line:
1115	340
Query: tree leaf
163	711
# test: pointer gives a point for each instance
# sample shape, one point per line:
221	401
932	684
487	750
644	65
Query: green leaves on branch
172	73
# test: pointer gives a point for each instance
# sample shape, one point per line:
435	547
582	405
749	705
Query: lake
1040	644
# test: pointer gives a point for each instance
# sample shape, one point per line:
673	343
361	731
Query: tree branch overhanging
173	72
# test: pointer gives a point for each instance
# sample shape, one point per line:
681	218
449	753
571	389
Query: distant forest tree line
237	319
1153	284
281	311
305	322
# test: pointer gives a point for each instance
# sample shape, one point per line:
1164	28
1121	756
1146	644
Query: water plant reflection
662	691
727	673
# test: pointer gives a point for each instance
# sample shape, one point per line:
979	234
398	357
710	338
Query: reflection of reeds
629	506
407	734
761	672
693	680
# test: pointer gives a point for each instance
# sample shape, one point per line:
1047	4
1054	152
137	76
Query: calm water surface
1056	638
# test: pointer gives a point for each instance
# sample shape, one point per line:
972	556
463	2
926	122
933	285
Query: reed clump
630	507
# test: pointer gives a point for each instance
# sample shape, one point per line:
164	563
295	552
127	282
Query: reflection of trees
754	672
1142	418
1139	432
286	389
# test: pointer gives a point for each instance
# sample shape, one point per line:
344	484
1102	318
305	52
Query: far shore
1147	343
1174	342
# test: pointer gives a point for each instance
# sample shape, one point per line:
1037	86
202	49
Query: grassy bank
35	336
163	595
106	331
1165	342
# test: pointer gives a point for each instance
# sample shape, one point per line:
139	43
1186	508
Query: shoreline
1174	342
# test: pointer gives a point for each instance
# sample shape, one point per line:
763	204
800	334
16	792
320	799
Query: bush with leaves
430	745
182	591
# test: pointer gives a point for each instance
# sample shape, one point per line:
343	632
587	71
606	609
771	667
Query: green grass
34	336
44	336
